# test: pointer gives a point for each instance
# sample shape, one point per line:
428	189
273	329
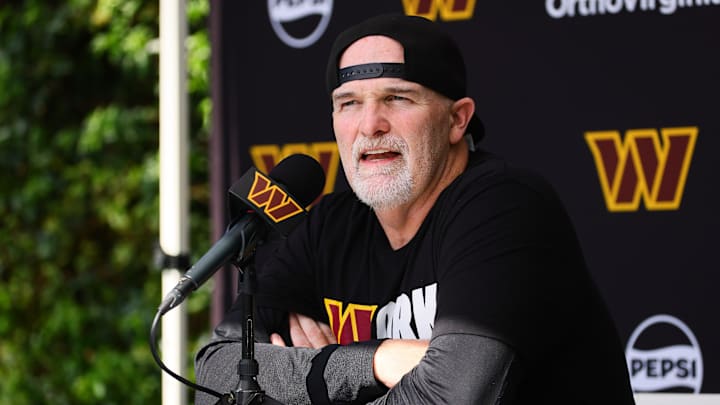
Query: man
447	276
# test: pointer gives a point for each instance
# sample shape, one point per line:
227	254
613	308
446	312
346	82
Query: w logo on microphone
276	204
645	165
449	10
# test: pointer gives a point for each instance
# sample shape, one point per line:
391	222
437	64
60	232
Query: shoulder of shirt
484	170
487	170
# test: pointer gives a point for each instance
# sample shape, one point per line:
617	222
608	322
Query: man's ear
462	111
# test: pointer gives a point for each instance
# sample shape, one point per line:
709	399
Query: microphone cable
158	360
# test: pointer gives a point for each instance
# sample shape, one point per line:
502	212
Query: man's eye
348	103
396	98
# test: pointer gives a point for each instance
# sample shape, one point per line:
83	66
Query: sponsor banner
614	101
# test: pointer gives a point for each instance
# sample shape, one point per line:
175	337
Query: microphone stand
248	390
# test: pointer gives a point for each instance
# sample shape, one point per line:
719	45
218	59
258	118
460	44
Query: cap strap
371	71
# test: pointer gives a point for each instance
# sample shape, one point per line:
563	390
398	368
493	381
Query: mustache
390	142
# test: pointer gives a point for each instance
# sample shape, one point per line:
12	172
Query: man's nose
374	121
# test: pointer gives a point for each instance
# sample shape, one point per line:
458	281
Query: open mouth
380	154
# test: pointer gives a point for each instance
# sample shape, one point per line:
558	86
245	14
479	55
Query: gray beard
385	191
386	187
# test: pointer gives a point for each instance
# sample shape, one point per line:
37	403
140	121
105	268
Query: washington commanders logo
265	157
352	323
647	165
447	10
276	204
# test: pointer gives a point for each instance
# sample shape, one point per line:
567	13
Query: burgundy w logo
646	165
449	10
265	157
353	324
276	204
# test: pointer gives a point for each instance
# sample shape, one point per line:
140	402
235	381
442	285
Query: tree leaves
79	197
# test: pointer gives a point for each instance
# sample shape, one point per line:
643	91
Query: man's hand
306	332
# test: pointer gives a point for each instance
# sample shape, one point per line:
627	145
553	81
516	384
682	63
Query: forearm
281	372
457	369
284	372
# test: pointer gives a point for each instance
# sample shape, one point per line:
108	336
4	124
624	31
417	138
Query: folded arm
455	368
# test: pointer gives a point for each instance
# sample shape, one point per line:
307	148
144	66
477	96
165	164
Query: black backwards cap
432	59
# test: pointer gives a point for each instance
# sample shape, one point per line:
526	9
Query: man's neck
401	223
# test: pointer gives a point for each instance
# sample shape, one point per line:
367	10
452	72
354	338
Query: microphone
256	202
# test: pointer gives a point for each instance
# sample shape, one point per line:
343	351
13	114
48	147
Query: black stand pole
248	390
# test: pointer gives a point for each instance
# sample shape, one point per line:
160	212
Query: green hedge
79	198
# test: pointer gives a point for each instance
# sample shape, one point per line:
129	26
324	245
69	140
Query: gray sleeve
457	369
281	376
283	371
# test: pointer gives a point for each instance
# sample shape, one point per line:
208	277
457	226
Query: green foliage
79	197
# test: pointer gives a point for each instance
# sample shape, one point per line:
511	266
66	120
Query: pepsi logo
663	354
299	23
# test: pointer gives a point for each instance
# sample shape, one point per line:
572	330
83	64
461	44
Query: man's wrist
396	357
344	374
315	381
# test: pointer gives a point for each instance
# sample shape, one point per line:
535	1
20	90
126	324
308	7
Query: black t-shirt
497	256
